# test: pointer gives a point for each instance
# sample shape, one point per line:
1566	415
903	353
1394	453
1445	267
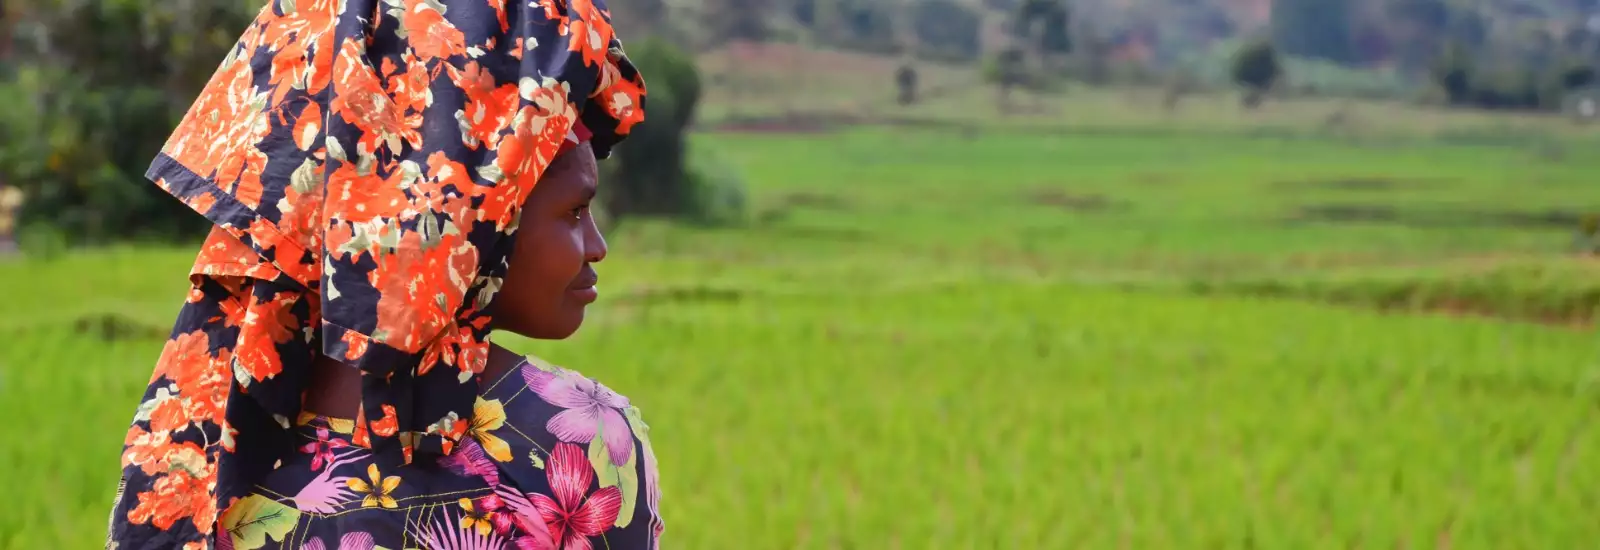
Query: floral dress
364	163
552	460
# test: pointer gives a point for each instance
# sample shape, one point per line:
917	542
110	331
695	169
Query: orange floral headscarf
363	161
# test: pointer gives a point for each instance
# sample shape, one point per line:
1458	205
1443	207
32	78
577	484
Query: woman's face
550	279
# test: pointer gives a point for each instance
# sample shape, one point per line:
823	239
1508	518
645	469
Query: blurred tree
637	19
1583	40
870	27
648	175
940	29
805	12
97	87
734	20
1256	69
1577	73
905	80
1587	238
1452	73
1043	29
1497	76
1415	29
1319	29
884	27
864	25
1094	56
1008	71
1505	86
1468	27
947	29
1039	41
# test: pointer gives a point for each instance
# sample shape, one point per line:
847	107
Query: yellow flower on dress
489	415
482	520
377	491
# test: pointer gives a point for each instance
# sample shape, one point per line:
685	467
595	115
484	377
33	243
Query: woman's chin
559	324
562	328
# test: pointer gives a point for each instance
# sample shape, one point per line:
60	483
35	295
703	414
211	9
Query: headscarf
364	162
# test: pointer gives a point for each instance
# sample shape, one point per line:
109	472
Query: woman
371	167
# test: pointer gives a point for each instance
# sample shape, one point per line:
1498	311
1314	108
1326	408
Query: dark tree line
91	90
1521	67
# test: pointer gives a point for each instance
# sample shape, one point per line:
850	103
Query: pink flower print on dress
591	408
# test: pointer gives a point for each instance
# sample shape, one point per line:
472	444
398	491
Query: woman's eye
579	211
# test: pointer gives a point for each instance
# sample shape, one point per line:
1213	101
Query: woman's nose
594	244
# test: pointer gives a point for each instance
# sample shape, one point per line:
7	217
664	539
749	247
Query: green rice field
1017	338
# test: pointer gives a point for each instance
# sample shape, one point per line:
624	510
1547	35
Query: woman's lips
583	288
585	295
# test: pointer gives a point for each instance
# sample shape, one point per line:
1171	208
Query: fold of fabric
364	162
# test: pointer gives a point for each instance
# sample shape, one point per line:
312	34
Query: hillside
1371	33
1194	25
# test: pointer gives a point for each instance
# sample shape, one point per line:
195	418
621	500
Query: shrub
717	188
1008	69
650	173
1508	84
946	29
905	80
1577	74
1256	69
40	241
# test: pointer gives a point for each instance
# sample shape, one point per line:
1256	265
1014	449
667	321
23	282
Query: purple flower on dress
321	450
590	406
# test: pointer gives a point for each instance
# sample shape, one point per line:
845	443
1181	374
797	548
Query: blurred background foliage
94	87
100	84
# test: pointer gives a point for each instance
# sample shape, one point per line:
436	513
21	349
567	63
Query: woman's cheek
573	245
559	249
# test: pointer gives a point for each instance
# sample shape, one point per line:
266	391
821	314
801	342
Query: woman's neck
501	361
335	389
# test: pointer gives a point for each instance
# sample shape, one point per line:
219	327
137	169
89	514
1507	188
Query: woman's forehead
573	169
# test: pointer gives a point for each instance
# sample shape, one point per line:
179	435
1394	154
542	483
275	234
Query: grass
1067	202
944	340
1550	291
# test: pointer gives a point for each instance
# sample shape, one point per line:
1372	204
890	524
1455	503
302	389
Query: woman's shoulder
571	406
549	426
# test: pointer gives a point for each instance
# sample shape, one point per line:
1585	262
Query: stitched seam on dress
514	396
413	498
531	441
513	370
280	496
290	536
